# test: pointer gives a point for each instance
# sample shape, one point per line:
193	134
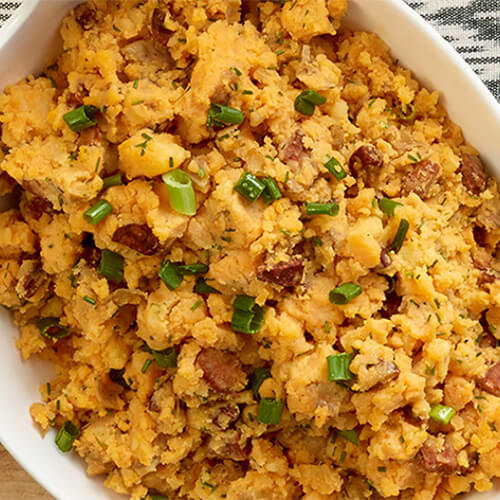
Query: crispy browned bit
352	191
160	33
381	373
36	206
228	445
222	370
294	149
367	159
486	278
491	381
85	16
480	234
474	177
139	237
391	304
410	417
442	461
90	253
33	281
284	273
420	178
225	416
89	137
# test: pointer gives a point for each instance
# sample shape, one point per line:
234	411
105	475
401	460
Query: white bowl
26	43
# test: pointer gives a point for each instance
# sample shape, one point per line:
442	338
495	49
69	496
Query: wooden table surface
17	484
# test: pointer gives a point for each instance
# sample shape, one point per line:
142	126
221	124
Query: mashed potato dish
258	253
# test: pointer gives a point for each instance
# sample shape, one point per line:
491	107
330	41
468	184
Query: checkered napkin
471	26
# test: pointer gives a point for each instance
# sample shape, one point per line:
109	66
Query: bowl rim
22	14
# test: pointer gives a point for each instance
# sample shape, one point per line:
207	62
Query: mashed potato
324	327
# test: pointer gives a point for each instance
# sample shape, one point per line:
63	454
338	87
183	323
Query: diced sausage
434	460
391	305
139	237
491	381
160	33
420	178
474	177
480	234
36	206
225	416
228	445
33	281
294	149
366	159
85	16
222	370
284	273
381	373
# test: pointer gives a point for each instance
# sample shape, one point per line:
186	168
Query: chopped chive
248	317
442	414
220	115
412	158
249	186
166	358
146	364
344	293
313	208
388	206
271	192
280	52
97	212
335	168
203	288
350	435
196	305
66	436
192	269
116	28
247	92
111	266
49	388
307	100
112	180
49	327
90	300
180	192
338	367
80	118
397	242
236	71
136	83
381	468
270	411
170	275
408	114
258	376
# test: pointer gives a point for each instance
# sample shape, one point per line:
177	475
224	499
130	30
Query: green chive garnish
397	242
249	186
146	364
203	288
220	115
97	212
388	206
112	180
307	101
314	208
271	192
192	269
258	376
180	191
66	436
344	293
170	275
335	168
270	411
408	114
248	317
49	327
111	266
164	359
442	414
350	435
81	118
338	367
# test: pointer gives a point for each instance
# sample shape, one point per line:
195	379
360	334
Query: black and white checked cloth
471	26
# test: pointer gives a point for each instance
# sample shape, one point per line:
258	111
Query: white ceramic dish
26	43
